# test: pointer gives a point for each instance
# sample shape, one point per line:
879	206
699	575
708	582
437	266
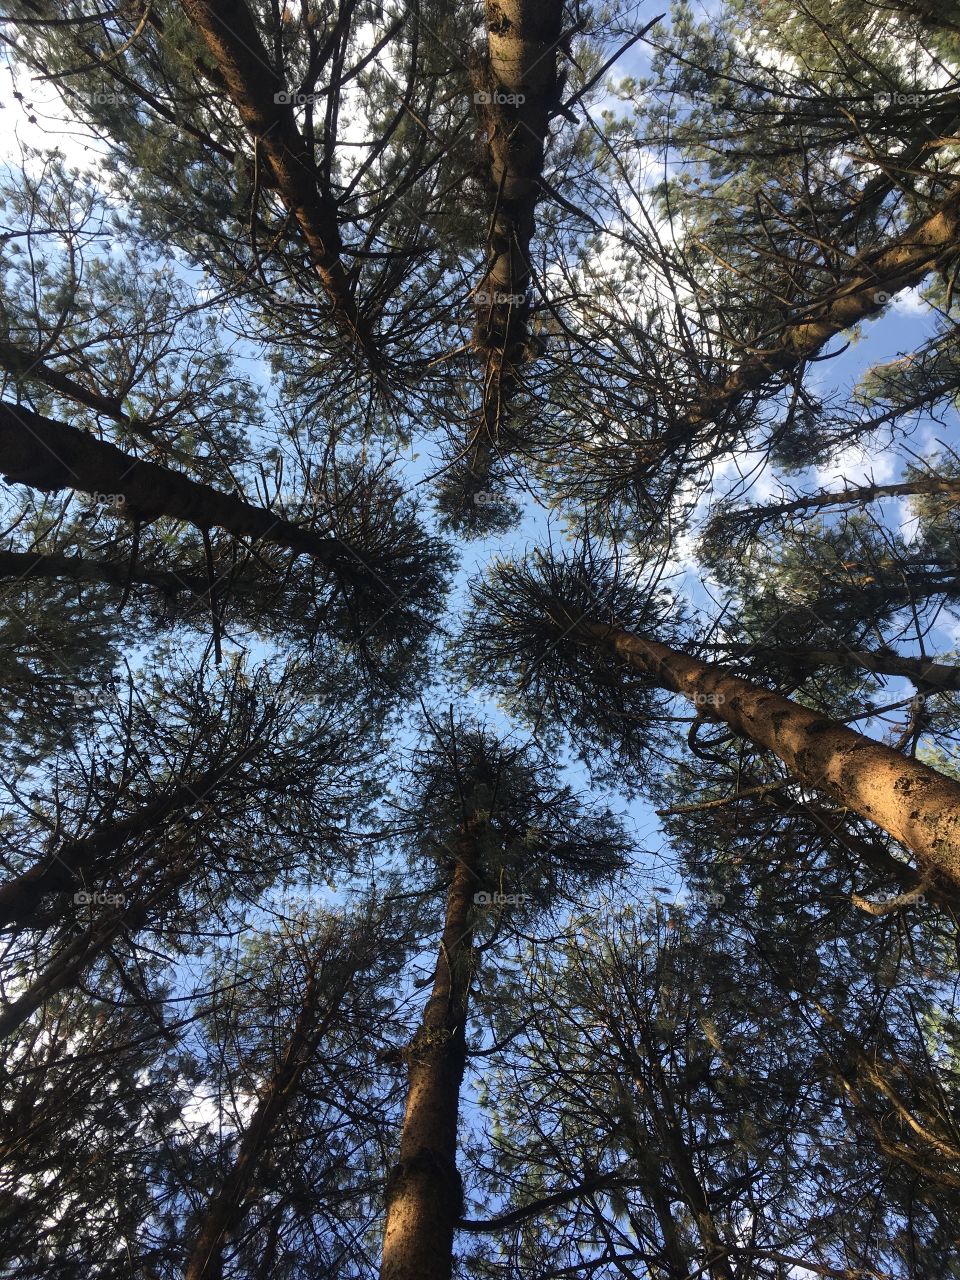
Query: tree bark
227	1207
74	959
947	486
424	1192
22	566
876	277
518	91
253	83
74	864
915	804
52	456
923	672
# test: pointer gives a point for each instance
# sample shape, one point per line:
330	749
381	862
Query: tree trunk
227	1207
424	1193
66	967
21	566
915	804
947	486
51	456
923	672
74	864
877	276
518	90
233	41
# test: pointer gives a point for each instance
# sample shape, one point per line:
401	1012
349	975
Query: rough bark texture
22	566
52	456
226	1208
74	864
253	83
878	275
424	1191
518	91
915	804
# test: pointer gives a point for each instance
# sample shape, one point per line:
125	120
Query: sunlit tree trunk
424	1191
915	804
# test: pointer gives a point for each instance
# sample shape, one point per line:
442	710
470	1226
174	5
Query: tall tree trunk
876	276
254	85
518	89
51	456
226	1209
424	1192
74	864
915	804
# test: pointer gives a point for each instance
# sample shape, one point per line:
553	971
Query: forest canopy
480	640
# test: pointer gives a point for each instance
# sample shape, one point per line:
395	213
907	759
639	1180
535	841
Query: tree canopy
479	607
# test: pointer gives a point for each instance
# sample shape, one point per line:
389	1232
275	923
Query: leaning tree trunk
78	864
69	964
52	456
915	804
424	1193
876	276
227	1208
518	89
